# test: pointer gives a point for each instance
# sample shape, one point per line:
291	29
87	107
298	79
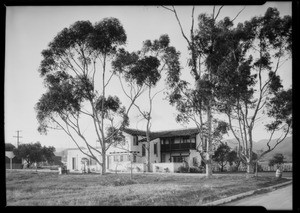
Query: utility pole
18	136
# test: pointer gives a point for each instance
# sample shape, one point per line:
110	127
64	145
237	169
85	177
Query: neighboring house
11	162
168	149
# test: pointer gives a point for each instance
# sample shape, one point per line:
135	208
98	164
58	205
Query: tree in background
277	160
221	155
34	153
142	70
76	75
250	84
233	159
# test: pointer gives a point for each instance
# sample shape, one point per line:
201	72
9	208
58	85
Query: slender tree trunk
250	169
148	146
209	146
103	171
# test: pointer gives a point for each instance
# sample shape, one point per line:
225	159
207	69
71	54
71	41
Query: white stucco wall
78	155
126	149
166	167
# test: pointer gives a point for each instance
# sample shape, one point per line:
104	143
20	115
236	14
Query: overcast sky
29	29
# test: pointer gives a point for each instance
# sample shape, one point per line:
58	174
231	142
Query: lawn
51	189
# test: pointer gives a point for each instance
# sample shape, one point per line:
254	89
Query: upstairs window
135	140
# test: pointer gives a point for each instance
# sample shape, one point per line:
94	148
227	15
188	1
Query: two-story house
168	151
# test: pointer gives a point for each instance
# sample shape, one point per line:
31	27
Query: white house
168	151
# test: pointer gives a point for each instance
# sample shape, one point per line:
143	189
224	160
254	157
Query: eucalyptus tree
142	70
251	86
76	72
209	45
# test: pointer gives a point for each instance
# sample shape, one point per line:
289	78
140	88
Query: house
168	151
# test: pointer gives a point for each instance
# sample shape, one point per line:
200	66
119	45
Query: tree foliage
235	69
34	153
77	85
277	159
221	155
248	81
142	70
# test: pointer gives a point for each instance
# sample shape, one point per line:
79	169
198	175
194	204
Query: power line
18	136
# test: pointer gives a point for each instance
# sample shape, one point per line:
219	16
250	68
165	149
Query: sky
29	29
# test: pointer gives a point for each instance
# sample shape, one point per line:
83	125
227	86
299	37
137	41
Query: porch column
170	141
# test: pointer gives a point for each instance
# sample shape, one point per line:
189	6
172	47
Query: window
143	150
163	158
135	140
121	158
74	166
178	159
177	140
115	158
93	161
155	148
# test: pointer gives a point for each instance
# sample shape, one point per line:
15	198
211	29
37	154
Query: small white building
168	151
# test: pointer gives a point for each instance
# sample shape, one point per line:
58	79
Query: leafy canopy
34	152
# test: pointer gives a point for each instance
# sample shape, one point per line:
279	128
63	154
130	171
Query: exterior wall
79	166
126	166
165	167
114	161
194	157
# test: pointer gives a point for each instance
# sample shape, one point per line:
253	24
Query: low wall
126	167
166	167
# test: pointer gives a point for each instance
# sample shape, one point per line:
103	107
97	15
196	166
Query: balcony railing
178	146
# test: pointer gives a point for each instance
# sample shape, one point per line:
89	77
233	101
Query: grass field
51	189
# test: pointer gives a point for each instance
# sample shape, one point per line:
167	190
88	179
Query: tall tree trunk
148	146
250	169
209	145
103	171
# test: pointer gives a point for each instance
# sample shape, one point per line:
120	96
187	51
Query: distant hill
285	147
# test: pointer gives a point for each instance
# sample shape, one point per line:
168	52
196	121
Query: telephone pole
18	136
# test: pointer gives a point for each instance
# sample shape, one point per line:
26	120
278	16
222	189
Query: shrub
182	169
123	182
195	170
233	169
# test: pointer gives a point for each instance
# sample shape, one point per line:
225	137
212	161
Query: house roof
164	134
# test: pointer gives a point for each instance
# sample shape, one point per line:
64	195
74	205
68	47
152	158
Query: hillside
285	147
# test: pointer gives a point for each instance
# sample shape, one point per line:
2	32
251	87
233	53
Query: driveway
280	199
